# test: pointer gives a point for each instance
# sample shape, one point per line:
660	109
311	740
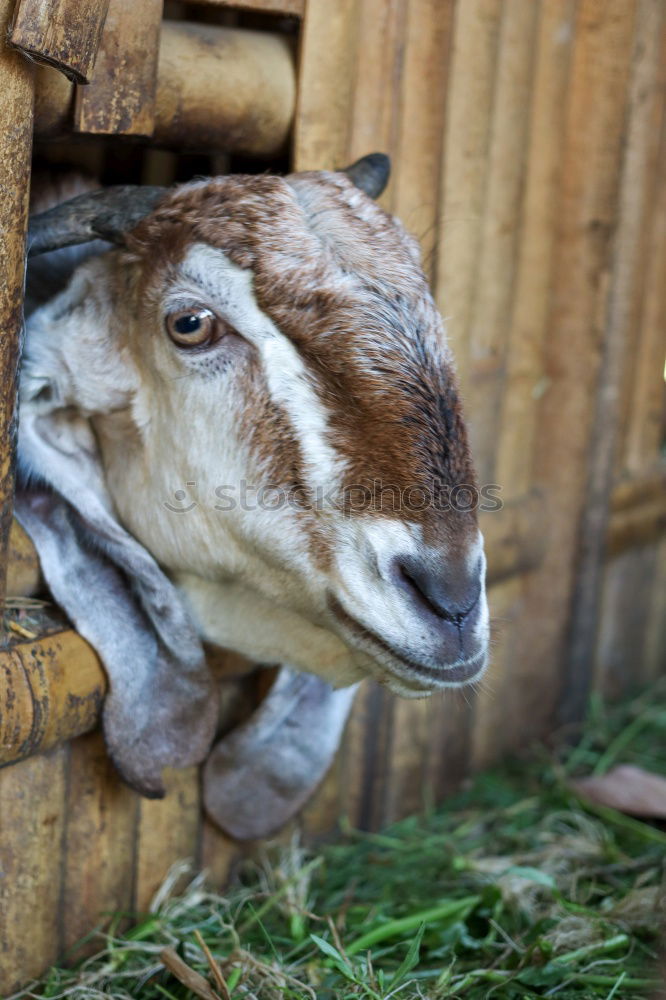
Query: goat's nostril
433	592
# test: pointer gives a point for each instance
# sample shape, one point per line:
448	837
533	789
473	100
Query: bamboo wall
528	139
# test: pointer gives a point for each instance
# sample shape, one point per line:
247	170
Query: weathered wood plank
217	853
470	97
32	820
418	147
62	33
498	725
619	320
373	119
23	574
490	310
655	632
524	381
586	207
621	644
641	419
326	74
16	118
100	839
167	832
120	98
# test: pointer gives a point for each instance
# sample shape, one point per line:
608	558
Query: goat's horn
370	173
106	214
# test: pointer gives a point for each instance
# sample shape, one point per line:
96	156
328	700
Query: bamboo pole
16	117
52	690
62	33
217	89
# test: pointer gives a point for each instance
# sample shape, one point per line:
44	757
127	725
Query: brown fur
340	278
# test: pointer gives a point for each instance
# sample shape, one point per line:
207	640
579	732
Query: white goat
254	389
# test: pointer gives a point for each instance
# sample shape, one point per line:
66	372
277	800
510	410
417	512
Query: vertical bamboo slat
120	98
655	637
217	853
167	832
495	269
624	624
642	417
16	116
101	814
587	213
326	84
374	119
524	379
418	147
32	819
498	727
620	324
470	94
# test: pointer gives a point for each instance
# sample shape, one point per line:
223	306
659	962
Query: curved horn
106	214
370	173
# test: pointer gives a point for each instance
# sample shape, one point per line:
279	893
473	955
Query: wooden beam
62	33
217	89
16	119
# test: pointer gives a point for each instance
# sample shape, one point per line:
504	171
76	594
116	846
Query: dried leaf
628	789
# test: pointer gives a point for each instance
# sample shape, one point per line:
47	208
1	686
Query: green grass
514	889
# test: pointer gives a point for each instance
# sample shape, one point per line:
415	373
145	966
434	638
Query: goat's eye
192	327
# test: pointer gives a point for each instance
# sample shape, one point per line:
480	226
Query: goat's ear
260	775
161	709
371	173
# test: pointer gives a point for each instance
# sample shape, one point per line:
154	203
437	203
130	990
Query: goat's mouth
405	676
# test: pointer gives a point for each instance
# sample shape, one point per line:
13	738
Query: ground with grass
517	888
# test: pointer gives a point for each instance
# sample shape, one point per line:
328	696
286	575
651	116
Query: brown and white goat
256	389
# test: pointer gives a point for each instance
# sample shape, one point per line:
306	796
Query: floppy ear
260	775
161	709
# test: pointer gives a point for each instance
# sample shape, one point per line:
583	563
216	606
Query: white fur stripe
228	289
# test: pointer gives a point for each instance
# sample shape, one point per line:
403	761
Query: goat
221	406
